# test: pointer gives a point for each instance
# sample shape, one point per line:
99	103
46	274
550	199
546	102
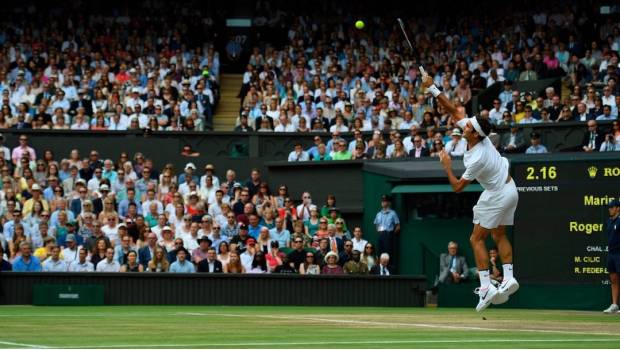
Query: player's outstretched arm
427	84
457	184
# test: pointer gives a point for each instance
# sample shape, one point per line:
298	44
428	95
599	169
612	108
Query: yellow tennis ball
359	24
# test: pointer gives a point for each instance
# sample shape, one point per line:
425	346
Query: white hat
135	90
331	254
190	165
35	187
104	187
456	132
193	193
166	228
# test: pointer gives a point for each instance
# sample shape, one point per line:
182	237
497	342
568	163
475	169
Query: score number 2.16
541	173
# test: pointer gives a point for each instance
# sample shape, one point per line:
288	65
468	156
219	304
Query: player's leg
487	291
509	283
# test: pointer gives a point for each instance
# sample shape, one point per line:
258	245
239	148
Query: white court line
336	342
22	344
418	325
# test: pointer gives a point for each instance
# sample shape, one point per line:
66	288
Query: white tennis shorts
498	207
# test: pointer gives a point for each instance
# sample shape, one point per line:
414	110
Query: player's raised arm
427	84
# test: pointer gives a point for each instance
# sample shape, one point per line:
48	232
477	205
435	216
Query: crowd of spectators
331	77
126	214
65	69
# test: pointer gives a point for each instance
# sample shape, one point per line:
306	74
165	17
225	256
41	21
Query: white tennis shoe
487	296
508	287
612	309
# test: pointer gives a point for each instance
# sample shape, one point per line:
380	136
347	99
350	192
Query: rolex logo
592	171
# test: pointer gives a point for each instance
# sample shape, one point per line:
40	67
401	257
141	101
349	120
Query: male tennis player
496	206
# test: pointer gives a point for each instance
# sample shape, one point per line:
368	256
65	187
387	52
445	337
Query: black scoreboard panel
558	232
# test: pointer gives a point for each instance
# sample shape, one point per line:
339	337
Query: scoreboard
559	222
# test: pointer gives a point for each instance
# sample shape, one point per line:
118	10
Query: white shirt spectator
54	266
71	255
285	128
298	157
457	149
111	233
105	266
359	245
76	266
496	114
246	260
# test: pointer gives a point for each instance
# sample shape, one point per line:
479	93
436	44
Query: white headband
476	126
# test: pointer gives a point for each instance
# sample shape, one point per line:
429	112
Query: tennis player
497	204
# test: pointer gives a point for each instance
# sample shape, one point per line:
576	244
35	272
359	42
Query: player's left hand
445	159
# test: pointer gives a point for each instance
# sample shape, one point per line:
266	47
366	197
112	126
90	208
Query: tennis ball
359	24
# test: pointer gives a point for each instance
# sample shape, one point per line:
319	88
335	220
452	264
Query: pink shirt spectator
18	151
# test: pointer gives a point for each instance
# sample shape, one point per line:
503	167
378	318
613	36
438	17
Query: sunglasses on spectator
297	241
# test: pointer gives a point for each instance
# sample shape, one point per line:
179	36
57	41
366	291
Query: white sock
507	271
485	280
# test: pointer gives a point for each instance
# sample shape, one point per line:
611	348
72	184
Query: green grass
302	327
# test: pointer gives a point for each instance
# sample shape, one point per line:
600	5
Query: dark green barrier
67	294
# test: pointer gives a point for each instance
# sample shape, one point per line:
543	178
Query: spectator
159	261
54	263
418	150
536	146
298	155
234	264
108	264
331	265
210	264
26	262
182	265
309	266
610	144
132	264
452	267
513	142
383	268
81	265
593	138
355	266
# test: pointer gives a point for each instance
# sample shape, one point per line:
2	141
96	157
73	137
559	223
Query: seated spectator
383	268
182	265
610	144
355	266
259	263
108	264
298	155
234	263
452	267
512	142
159	261
132	264
331	265
536	147
418	150
210	264
309	266
54	263
81	265
593	138
26	262
369	256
